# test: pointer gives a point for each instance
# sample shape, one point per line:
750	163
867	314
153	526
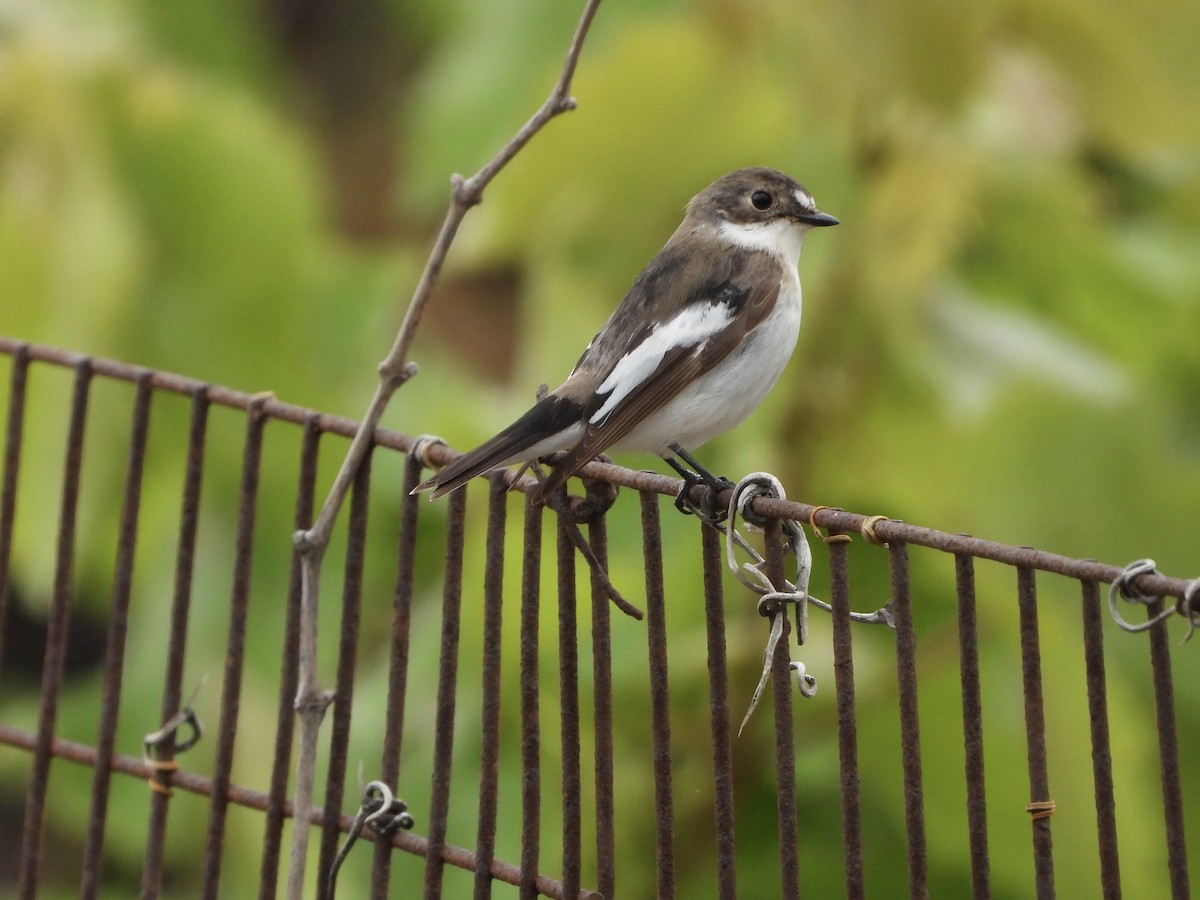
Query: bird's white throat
781	238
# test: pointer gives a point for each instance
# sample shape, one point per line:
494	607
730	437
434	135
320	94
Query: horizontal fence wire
421	690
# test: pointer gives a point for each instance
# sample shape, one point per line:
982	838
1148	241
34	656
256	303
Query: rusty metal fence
515	770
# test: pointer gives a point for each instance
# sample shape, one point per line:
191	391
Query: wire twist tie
826	538
1188	605
421	447
867	530
383	812
164	739
773	602
1040	809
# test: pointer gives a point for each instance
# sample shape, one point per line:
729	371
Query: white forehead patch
805	199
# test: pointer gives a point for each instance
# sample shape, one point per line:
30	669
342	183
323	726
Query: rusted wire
56	637
1102	777
185	559
343	704
602	716
972	707
1035	730
235	648
136	767
718	694
14	431
843	672
825	517
289	670
568	688
660	708
114	651
493	612
1168	755
578	807
785	750
443	728
397	692
910	731
531	781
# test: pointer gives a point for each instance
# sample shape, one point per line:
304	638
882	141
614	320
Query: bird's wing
710	313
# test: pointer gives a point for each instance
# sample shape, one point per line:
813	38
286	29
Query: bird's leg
697	475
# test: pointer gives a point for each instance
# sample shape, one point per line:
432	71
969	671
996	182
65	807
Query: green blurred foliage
999	339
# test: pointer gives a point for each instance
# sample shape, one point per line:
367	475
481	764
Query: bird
697	343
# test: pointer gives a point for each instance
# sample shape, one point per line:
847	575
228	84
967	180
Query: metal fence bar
785	745
56	637
1102	777
1035	729
825	517
843	674
660	711
43	745
231	690
14	430
285	718
972	707
718	694
443	729
181	596
568	689
114	651
493	612
343	703
531	784
1168	755
602	702
414	844
910	730
397	692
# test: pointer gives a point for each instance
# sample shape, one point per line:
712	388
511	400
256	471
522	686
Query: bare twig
394	371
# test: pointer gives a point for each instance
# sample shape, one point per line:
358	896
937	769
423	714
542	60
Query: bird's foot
708	508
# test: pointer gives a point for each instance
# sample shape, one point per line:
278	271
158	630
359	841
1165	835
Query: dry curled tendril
773	601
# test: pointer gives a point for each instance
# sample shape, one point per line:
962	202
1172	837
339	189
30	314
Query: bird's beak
817	219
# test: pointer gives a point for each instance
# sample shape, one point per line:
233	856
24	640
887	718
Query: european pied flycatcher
695	346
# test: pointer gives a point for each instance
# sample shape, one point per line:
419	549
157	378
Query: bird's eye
761	200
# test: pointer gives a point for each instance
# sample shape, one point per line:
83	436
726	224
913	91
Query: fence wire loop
1187	606
155	739
164	740
385	814
1123	585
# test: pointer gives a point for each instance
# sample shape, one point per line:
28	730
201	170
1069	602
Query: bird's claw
709	509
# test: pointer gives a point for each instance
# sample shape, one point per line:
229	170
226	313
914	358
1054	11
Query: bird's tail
547	418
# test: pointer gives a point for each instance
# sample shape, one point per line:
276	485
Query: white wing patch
691	328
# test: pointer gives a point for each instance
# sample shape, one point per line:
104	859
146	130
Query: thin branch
465	194
394	371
